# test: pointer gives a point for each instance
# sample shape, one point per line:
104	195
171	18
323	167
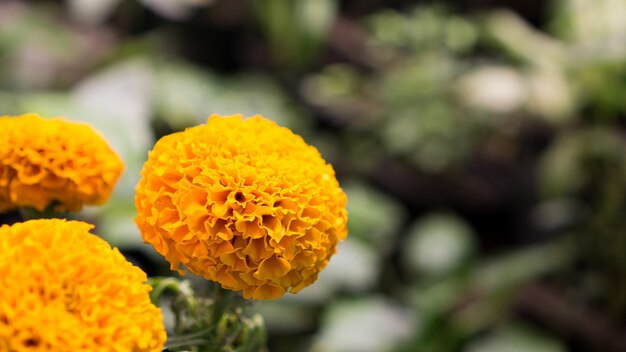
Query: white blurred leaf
437	244
175	9
374	216
316	16
494	89
355	266
516	338
366	325
117	102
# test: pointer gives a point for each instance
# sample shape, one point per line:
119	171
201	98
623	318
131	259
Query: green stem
207	324
162	284
223	299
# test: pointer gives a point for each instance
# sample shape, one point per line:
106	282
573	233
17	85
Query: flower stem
207	324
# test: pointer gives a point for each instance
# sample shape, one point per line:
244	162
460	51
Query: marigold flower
242	202
64	289
53	161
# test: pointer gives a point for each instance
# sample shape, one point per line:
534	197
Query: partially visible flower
47	162
64	289
243	202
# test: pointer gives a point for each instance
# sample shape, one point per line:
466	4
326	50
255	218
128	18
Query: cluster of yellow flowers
64	289
243	202
47	162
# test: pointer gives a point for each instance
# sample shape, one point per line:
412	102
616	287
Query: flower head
64	289
243	202
47	162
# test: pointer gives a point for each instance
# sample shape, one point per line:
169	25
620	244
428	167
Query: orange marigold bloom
64	289
243	202
52	161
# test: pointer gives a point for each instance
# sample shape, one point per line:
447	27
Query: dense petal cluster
64	289
52	161
243	202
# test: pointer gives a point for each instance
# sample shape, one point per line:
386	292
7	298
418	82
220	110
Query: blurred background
481	144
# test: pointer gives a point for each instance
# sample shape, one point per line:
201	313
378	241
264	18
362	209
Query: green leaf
516	338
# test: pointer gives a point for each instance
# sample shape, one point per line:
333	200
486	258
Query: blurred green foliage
482	155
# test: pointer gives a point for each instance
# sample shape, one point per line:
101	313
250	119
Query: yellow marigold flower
64	289
243	202
52	161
